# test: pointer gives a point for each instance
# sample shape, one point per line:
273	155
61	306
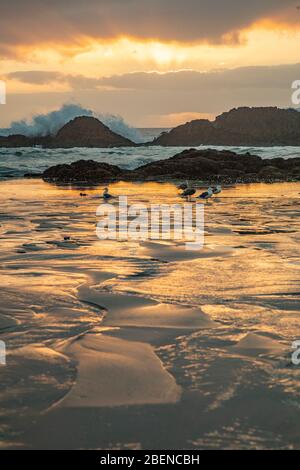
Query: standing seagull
183	186
106	194
188	192
207	194
217	189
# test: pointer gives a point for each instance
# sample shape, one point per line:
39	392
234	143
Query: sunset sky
156	63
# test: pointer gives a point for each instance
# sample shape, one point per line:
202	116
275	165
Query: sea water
16	162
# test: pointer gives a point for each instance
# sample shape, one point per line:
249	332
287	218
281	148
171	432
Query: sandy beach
149	230
121	344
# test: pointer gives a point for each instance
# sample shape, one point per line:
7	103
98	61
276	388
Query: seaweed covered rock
83	171
204	165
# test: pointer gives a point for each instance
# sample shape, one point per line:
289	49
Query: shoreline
151	144
78	313
174	182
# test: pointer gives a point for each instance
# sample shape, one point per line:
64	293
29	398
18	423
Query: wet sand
109	341
115	372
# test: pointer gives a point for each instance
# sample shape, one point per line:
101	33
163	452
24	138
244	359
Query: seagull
106	194
217	189
183	186
207	194
188	192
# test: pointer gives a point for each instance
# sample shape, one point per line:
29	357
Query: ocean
16	162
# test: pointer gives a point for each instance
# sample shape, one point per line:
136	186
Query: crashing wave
50	123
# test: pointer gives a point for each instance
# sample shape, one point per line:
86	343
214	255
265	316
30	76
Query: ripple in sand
115	372
254	343
179	252
129	310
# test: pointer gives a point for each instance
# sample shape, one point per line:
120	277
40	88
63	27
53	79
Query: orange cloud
72	26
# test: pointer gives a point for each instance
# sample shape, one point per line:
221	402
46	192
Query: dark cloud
258	77
34	21
41	77
35	77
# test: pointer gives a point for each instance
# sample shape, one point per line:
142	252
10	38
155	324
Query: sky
156	63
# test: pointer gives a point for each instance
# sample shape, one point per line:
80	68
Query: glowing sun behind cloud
162	53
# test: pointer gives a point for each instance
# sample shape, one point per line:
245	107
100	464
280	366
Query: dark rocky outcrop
223	166
87	131
204	165
14	141
82	131
33	175
197	132
201	164
242	126
83	171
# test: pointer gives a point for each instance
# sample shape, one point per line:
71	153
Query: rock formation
83	171
14	141
238	127
87	131
202	165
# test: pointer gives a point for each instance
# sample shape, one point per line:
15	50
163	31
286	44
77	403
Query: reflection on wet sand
202	337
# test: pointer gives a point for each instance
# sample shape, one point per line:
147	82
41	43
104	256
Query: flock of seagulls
189	191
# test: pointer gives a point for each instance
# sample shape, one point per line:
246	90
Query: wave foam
50	123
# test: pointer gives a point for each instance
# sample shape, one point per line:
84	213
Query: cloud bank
275	76
33	22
